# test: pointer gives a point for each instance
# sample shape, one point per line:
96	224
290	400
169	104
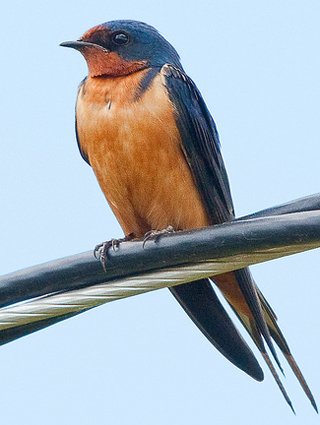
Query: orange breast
134	148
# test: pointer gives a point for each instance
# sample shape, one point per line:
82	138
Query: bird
144	128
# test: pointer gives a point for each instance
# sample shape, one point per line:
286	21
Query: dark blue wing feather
201	147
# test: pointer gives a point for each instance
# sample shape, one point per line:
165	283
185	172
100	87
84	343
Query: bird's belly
135	151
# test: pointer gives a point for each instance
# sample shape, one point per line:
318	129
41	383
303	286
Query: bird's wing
83	154
201	147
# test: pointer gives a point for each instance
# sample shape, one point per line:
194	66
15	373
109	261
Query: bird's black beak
79	45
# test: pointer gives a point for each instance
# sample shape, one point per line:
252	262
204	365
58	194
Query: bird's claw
100	251
155	234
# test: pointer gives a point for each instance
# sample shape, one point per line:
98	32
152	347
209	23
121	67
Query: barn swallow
144	128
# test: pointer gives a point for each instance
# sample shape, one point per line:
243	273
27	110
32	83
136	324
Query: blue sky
141	360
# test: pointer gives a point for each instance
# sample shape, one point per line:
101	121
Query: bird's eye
121	38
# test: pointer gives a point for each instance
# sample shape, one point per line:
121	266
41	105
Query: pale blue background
141	360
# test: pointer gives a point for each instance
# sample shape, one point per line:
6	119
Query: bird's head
118	48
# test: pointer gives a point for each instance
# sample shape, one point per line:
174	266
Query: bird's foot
101	250
153	235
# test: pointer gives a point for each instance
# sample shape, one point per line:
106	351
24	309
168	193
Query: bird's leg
155	234
101	250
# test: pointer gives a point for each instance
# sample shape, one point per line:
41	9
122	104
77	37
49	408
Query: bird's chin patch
109	64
